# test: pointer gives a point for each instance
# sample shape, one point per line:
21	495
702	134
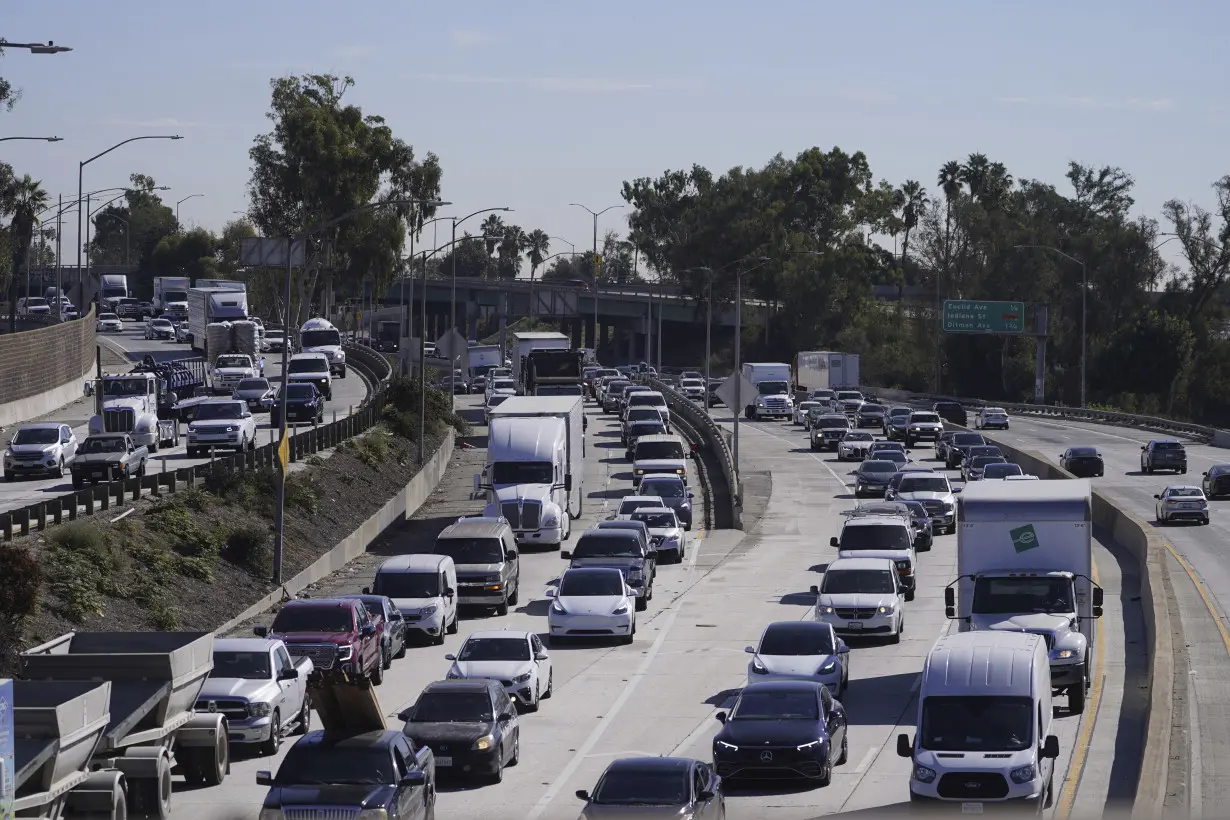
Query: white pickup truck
232	368
261	689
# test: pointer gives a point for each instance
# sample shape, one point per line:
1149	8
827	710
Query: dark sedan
471	726
943	443
872	477
869	415
656	787
1216	481
390	626
960	447
972	469
674	492
952	412
896	422
303	403
1083	462
792	729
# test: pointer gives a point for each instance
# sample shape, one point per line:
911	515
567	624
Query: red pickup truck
335	633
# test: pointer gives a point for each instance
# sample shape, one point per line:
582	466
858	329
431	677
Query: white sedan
108	323
800	650
516	659
1180	501
854	446
991	418
159	329
800	411
665	532
592	602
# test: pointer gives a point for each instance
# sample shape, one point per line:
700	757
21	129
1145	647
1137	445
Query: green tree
323	159
512	244
24	199
193	254
473	261
229	243
537	247
128	230
493	228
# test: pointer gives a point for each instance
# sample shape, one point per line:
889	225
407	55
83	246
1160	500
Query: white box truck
523	343
527	478
483	358
1024	561
983	726
225	284
770	395
171	294
825	370
208	306
571	410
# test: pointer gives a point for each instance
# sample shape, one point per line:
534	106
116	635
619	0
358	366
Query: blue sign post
8	770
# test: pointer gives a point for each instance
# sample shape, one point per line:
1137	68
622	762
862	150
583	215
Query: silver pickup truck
261	689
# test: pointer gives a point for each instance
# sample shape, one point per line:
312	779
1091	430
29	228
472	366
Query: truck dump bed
155	677
57	726
345	707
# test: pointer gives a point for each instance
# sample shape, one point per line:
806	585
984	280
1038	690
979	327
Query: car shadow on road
536	608
798	599
879	701
724	699
608	494
769	788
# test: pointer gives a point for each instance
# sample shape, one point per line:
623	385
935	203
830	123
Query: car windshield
772	388
629	507
643	787
495	649
878	467
777	704
125	387
452	707
849	395
646	400
644	414
308	365
1082	452
325	764
253	384
591	583
830	423
876	537
923	484
1185	492
658	449
162	324
245	665
1006	596
974	723
663	488
593	546
503	384
646	428
300	391
899	411
37	435
895	456
983	461
103	445
407	584
221	410
108	317
497	399
233	361
1172	446
1001	470
471	550
852	436
522	472
850	581
967	439
691	383
330	619
888	447
797	639
924	418
656	520
871	408
319	338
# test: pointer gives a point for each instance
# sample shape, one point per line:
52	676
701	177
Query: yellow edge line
1080	753
1204	594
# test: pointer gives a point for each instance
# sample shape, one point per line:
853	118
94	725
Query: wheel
1204	521
1076	698
377	674
516	753
1183	471
153	448
532	706
642	603
502	607
895	638
273	743
826	774
631	636
909	595
1049	800
401	650
550	684
845	749
386	657
342	374
152	796
516	594
438	640
498	775
452	627
60	469
141	470
305	717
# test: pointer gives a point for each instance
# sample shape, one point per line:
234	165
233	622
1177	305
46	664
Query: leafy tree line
1155	332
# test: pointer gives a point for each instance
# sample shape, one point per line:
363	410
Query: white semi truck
1024	564
171	294
825	370
769	396
129	403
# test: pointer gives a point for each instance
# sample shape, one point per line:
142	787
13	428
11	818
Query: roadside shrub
82	561
401	410
21	582
248	545
372	448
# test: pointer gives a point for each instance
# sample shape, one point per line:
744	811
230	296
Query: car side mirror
1144	447
814	590
367	590
720	717
395	615
582	794
565	554
289	674
950	597
905	748
505	717
842	648
833	542
549	592
1050	749
405	714
751	650
704	794
1205	474
691	494
368	630
414	778
1098	596
510	555
449	592
264	778
260	631
1157	497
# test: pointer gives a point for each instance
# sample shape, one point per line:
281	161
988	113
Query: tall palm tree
537	246
914	198
974	174
949	181
510	249
493	226
26	198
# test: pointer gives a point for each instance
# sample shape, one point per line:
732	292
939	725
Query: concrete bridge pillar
577	328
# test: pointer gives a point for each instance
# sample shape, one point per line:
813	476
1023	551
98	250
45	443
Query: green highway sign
975	316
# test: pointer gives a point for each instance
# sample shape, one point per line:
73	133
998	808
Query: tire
141	470
305	717
342	374
642	604
438	640
502	608
153	448
516	596
845	749
270	747
550	684
516	755
498	775
452	627
909	595
1076	698
1205	522
895	638
533	707
60	469
377	674
826	775
386	658
631	636
151	796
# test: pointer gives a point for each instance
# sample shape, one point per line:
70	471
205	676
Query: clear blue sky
536	104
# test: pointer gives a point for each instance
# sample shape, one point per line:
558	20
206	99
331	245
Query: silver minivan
424	588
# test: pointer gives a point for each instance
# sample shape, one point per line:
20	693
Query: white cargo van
424	590
659	455
983	730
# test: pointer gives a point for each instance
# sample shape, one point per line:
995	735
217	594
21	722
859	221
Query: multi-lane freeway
131	343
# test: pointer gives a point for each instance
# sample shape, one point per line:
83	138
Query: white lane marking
868	759
607	720
628	752
695	735
917	683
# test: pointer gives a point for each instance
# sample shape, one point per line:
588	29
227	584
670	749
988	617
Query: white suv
880	536
221	423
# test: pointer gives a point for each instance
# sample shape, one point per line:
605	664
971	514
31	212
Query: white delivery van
526	478
771	396
983	731
424	590
659	455
1024	560
569	409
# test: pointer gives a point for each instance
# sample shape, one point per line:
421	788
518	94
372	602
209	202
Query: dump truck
546	369
136	403
151	729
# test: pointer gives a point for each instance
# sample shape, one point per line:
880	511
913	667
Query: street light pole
597	263
37	139
452	317
177	204
1084	302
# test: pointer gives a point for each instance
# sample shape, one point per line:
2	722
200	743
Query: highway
1199	575
347	393
1096	767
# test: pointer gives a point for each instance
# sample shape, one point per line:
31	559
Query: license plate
448	761
971	808
854	625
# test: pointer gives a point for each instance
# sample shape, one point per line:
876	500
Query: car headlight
949	506
886	610
726	745
827	668
1024	774
1063	654
759	402
430	609
455	674
825	610
230	428
550	520
523	678
810	745
922	774
672	539
259	710
556	606
758	667
483	743
622	609
344	653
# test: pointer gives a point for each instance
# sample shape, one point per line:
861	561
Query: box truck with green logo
1025	564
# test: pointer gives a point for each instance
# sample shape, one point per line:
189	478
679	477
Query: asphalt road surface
347	394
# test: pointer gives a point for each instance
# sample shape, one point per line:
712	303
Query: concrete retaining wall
44	369
399	508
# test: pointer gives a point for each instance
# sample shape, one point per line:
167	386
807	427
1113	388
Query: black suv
1163	455
952	412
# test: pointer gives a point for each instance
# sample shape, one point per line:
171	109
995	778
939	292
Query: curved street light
452	306
597	262
181	202
36	139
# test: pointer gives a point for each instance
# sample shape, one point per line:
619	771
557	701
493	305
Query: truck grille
27	456
119	420
853	614
775	402
933	507
233	709
972	785
323	655
1047	636
319	813
522	515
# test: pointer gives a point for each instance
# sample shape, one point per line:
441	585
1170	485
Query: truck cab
320	336
129	404
772	396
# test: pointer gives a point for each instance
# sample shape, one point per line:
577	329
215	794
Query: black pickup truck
377	773
108	457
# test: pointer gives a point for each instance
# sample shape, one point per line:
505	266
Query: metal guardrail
371	366
712	438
